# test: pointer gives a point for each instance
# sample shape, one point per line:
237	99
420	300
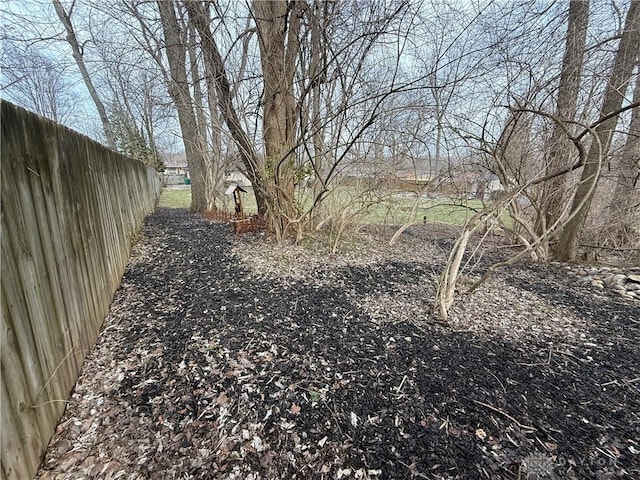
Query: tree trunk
625	205
198	98
215	69
560	146
208	171
72	40
625	61
179	91
218	163
278	27
317	74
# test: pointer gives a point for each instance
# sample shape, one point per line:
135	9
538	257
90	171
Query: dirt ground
233	358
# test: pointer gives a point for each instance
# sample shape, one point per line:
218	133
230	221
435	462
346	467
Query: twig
569	355
399	387
73	350
536	364
333	414
504	414
612	382
616	382
606	454
37	405
615	249
513	442
412	471
501	384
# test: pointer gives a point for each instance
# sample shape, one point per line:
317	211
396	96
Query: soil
230	357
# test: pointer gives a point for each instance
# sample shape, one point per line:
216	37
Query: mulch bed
232	357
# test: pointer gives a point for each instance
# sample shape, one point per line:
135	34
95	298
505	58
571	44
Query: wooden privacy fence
70	207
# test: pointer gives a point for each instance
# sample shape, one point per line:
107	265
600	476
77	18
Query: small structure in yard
239	221
235	190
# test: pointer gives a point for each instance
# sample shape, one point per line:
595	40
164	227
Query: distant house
494	186
176	164
176	169
235	176
398	172
415	173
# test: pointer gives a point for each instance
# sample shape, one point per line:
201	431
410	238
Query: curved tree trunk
215	69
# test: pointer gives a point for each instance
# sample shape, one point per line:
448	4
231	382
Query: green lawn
379	209
175	198
397	211
392	208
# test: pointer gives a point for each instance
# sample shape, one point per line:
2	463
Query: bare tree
626	56
278	25
176	52
224	98
272	175
205	115
35	81
295	76
513	154
78	56
138	104
560	148
625	205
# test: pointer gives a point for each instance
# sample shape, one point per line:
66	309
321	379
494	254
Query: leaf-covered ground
227	357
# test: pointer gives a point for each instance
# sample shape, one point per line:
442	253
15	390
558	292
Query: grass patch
398	211
385	209
397	208
175	198
181	198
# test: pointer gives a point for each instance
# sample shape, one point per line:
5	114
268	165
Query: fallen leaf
266	458
354	419
413	470
257	443
222	398
344	473
246	363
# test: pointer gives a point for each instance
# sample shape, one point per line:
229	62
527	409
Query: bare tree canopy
301	97
78	56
